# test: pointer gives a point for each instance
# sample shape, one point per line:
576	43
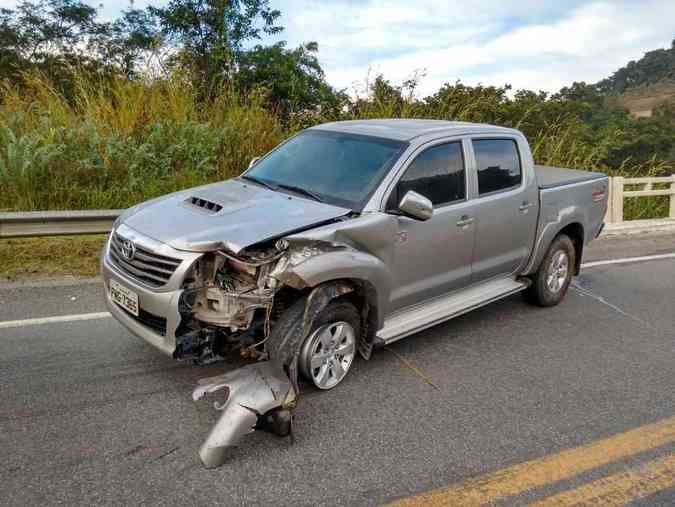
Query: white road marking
628	259
51	320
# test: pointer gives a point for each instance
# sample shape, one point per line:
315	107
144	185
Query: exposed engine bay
228	304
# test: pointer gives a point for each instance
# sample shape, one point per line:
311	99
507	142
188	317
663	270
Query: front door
433	257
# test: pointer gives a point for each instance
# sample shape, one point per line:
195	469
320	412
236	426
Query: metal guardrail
56	223
59	223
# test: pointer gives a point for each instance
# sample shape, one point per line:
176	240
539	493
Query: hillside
642	101
654	67
643	85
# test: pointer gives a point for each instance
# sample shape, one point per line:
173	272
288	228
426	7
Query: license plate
124	297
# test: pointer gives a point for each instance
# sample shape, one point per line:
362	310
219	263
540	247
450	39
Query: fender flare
548	234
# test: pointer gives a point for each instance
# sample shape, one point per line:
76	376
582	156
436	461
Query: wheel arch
362	294
574	231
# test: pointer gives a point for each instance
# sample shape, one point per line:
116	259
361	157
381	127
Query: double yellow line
616	489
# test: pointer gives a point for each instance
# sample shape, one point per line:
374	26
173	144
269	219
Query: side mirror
253	161
416	206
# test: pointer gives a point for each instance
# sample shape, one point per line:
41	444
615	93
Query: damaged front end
231	304
227	304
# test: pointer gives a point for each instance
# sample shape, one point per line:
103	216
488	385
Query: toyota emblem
128	249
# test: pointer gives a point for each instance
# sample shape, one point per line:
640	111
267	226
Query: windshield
336	168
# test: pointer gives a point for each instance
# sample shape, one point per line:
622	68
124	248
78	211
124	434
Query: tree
293	78
55	36
654	66
210	33
128	40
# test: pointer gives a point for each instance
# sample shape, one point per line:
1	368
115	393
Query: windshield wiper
258	181
300	190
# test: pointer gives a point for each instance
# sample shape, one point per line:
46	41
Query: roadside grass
35	258
119	142
642	208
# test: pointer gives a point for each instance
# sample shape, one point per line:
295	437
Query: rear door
433	257
507	202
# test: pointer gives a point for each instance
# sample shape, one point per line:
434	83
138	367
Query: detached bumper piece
259	396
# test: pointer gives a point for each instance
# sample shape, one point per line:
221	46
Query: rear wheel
551	281
330	349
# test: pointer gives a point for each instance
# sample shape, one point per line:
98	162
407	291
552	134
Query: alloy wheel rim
330	355
557	271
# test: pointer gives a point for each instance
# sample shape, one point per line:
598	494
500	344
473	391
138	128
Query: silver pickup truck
347	236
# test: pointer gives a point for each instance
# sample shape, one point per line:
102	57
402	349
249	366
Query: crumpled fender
313	263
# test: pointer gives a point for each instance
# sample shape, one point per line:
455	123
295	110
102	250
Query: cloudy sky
534	44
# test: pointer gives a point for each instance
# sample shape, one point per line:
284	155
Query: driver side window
437	173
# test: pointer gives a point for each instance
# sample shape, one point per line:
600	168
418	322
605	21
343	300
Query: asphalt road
91	415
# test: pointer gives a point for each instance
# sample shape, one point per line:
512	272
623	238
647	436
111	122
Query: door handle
525	206
464	220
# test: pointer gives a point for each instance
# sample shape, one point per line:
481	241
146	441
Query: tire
330	349
551	281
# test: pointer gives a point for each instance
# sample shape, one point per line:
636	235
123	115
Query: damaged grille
146	266
204	205
154	322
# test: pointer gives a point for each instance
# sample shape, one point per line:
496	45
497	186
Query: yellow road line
412	367
620	488
549	469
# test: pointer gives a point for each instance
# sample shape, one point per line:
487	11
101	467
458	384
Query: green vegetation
121	141
653	67
106	114
22	259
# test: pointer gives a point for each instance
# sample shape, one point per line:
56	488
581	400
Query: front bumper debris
258	395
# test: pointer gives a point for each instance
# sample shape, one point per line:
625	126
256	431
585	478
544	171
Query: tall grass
118	142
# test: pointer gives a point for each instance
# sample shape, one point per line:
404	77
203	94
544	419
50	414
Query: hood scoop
204	205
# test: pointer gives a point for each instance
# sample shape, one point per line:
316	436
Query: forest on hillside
104	114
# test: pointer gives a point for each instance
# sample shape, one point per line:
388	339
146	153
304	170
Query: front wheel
330	349
551	281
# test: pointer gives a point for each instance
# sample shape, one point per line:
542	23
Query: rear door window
498	164
437	173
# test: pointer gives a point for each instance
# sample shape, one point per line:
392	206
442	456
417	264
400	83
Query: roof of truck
405	130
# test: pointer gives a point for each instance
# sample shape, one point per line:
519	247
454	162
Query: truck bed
551	177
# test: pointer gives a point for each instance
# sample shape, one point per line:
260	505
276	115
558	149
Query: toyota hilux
346	237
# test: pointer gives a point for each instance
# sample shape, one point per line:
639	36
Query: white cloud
529	44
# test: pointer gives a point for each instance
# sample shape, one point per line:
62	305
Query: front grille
154	322
146	266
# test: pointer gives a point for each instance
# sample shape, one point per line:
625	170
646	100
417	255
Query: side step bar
419	317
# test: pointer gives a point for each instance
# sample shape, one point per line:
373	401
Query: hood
232	214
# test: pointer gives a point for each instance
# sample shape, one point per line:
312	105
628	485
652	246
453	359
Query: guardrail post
672	199
609	214
617	199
